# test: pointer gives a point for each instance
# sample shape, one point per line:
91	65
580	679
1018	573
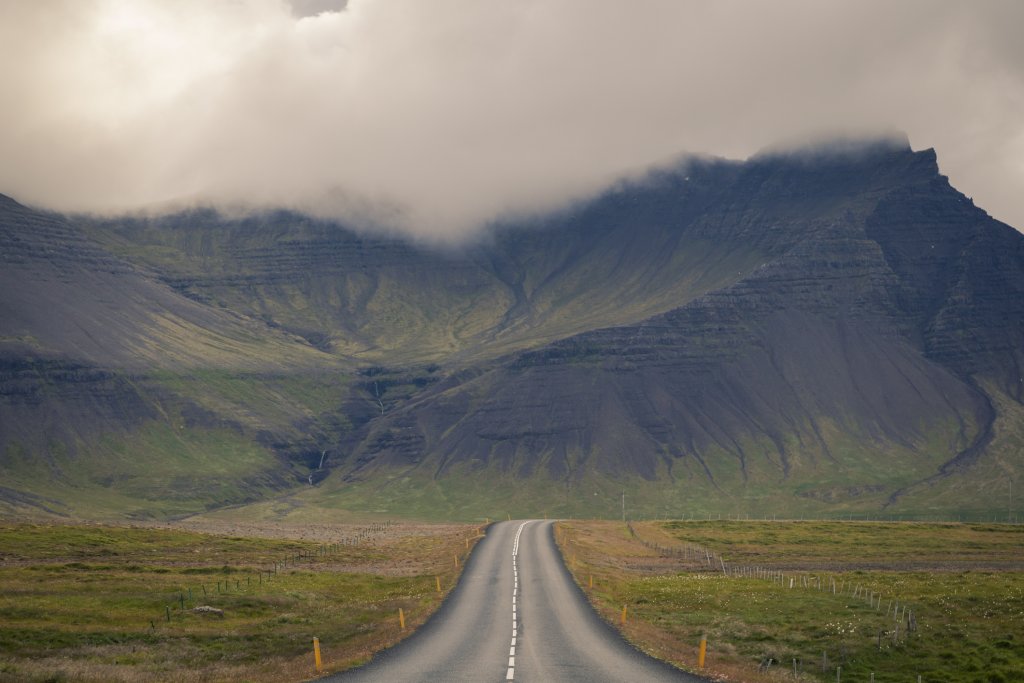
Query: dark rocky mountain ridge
846	335
825	331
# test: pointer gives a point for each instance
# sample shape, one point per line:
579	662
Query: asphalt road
515	615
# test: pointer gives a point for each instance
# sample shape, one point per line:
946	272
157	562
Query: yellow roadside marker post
702	652
623	619
437	580
401	618
316	654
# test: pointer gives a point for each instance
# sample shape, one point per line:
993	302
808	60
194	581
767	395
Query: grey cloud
435	117
310	8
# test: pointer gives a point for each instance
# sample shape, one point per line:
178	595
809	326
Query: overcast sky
437	115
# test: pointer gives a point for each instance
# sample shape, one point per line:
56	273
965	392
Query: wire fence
897	622
189	598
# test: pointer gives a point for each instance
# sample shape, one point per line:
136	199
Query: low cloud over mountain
434	118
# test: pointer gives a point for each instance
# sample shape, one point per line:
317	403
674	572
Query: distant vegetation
943	601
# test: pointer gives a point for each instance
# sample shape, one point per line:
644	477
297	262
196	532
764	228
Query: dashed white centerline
510	674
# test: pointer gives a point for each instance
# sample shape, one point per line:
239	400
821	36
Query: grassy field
854	587
102	603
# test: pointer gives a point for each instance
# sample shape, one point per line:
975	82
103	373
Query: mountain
859	363
831	331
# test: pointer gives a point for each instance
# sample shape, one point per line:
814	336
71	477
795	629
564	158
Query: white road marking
510	674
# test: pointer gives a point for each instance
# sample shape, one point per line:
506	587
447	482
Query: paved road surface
515	615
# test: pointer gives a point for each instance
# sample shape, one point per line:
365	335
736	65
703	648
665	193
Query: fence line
178	600
899	616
